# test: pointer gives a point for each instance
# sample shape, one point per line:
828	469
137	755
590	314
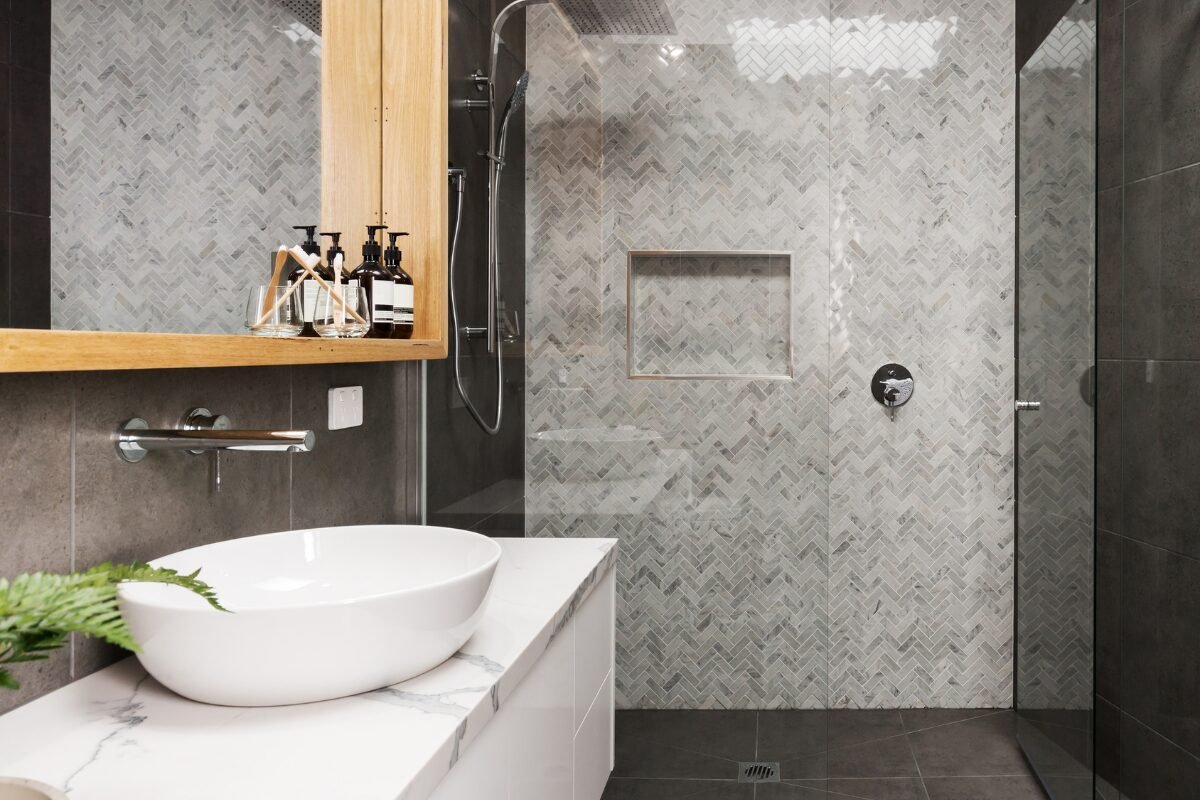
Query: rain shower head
603	17
618	17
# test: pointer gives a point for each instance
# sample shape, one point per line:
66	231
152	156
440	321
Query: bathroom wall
67	501
186	143
784	543
1148	550
24	164
476	481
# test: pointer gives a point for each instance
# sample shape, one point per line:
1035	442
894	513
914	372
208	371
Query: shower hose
458	179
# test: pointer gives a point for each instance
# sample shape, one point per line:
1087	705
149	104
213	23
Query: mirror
160	153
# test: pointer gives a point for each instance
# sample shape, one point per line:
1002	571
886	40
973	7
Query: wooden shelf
384	156
60	351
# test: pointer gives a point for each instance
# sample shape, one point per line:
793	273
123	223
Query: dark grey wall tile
1160	403
1108	745
1108	616
1109	253
35	502
30	27
473	476
35	495
29	166
29	282
1108	446
168	501
37	678
354	476
1111	114
5	33
1162	81
1153	768
1161	287
1160	642
1035	20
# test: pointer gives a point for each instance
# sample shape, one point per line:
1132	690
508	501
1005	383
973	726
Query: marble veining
120	733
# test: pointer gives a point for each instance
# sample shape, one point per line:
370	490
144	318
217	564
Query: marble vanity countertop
119	734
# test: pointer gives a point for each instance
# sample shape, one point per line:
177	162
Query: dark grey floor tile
1007	788
918	719
883	758
864	788
790	734
783	791
1160	641
985	746
1068	788
644	789
856	726
683	744
1057	750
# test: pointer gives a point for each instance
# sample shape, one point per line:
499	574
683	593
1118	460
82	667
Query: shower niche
709	315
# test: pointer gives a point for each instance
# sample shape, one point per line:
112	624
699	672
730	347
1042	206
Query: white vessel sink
317	614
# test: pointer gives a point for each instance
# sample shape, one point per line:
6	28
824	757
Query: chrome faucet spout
202	431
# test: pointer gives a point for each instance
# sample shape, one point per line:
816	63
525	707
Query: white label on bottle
381	301
403	303
308	295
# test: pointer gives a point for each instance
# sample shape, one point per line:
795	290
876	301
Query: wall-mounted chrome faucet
202	431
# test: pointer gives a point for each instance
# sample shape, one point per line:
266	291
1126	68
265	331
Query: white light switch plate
345	407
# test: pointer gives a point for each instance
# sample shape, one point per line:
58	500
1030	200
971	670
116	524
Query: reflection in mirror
170	146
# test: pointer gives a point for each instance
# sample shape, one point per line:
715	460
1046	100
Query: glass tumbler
342	312
271	311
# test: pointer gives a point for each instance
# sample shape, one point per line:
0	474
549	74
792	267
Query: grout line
71	530
917	764
905	733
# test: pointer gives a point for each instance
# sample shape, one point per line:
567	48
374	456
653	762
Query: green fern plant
38	611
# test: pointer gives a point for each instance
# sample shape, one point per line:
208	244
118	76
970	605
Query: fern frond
38	611
144	573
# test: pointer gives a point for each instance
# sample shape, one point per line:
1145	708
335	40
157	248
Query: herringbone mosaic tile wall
186	142
784	544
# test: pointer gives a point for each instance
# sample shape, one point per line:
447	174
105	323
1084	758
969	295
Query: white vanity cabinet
552	739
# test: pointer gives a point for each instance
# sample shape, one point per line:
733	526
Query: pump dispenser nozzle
371	248
392	256
336	247
310	245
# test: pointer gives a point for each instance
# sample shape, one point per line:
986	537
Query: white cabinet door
482	772
593	646
542	723
593	743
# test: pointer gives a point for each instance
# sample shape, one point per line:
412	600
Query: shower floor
927	754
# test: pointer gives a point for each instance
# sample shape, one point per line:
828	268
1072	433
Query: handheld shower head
514	104
518	96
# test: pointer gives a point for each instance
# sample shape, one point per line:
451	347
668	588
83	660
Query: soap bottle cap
310	245
336	249
372	249
393	256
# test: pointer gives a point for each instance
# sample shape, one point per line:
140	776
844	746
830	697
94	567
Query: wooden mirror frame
383	160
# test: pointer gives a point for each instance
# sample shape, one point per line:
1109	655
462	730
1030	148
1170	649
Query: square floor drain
758	772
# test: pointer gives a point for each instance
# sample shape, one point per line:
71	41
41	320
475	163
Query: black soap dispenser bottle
378	283
308	292
402	298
